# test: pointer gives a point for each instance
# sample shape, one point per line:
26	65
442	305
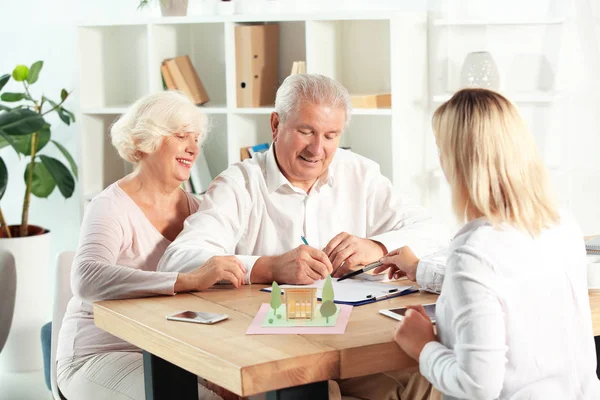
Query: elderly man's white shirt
252	210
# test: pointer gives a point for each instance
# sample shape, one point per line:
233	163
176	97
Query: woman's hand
414	331
401	262
216	269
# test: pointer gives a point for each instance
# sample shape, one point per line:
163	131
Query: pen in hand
360	271
304	240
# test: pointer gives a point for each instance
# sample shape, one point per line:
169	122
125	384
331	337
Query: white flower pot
33	304
173	8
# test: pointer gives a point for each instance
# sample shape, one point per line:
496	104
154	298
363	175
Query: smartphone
198	317
398	313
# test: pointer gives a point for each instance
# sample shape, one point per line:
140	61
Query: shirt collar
275	179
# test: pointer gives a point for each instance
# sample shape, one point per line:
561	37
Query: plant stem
4	226
52	109
37	108
25	217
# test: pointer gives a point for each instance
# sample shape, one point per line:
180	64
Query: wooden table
288	366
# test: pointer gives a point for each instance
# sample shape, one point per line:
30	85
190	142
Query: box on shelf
372	101
256	54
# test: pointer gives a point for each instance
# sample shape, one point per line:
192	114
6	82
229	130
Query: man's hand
400	262
346	251
301	266
414	331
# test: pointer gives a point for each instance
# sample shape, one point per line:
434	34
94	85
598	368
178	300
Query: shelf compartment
114	65
356	53
203	43
370	136
500	22
247	130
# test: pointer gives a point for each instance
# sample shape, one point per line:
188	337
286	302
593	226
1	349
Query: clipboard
356	292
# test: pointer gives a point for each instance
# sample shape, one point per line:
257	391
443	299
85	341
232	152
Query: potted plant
169	8
23	126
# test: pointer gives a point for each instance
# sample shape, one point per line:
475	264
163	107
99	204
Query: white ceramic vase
173	8
33	305
479	71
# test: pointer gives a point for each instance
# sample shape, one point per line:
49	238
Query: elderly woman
124	233
513	319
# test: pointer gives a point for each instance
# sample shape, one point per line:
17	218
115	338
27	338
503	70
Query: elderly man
304	186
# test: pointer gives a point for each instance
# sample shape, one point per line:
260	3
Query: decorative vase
173	8
479	71
33	305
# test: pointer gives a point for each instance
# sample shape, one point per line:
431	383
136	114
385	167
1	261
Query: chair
8	292
62	295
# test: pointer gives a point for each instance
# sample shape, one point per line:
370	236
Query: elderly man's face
306	143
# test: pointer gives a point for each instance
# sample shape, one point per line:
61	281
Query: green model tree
328	308
275	298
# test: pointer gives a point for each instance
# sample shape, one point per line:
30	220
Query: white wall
45	30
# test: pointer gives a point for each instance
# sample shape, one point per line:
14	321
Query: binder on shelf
200	175
256	54
184	77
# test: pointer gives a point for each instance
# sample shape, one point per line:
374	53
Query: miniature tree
275	298
328	308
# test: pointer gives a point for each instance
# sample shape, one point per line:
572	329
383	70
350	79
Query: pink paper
338	329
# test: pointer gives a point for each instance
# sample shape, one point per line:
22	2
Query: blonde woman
513	319
125	231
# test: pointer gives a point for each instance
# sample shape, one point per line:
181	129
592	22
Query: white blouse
514	317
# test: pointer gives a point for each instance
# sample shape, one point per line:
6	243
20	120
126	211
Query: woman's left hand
414	331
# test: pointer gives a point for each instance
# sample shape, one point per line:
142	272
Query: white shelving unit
120	62
530	76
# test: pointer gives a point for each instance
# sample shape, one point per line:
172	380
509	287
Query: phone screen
200	316
429	309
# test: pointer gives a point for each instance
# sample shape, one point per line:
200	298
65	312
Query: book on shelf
179	73
249	151
200	175
592	246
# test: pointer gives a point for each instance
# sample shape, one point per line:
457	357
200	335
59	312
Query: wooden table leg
313	391
163	380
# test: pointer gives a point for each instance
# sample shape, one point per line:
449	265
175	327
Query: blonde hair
492	163
142	128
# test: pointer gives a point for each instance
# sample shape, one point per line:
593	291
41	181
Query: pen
304	240
360	271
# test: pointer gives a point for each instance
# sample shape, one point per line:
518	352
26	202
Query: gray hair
313	89
142	128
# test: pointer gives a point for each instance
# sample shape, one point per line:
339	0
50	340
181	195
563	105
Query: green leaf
4	108
34	72
64	94
70	114
68	157
3	178
63	116
8	96
21	122
3	79
23	143
6	140
62	176
42	183
20	73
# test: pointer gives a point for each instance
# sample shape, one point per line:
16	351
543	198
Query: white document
351	291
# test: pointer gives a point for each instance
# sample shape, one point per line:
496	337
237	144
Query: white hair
313	89
142	128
